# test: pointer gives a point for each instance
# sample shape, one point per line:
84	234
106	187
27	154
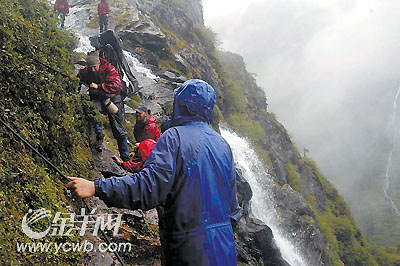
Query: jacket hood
151	119
193	101
145	148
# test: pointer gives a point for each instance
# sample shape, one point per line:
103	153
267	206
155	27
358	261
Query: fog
330	70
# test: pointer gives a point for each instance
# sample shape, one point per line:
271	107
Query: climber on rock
190	177
136	164
62	8
105	88
103	10
146	125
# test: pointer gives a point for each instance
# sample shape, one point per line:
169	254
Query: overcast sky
330	70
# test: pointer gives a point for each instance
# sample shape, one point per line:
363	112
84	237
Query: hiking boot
98	145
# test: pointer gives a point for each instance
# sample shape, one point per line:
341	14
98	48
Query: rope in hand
64	179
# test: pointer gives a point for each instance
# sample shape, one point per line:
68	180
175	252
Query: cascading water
134	63
394	132
263	206
262	203
77	21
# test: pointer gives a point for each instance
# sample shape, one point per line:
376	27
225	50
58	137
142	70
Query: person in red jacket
103	10
62	7
146	125
137	163
104	83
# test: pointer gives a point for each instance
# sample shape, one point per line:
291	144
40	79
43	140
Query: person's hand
117	160
82	187
93	85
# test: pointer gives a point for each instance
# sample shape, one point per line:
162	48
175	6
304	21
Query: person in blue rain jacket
190	177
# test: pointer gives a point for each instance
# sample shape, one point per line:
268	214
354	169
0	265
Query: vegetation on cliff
36	102
40	105
244	104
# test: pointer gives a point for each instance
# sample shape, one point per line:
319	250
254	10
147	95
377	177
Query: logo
31	218
64	224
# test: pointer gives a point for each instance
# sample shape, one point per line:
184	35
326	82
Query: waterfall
392	127
134	63
262	203
77	22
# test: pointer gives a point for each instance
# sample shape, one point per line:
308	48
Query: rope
64	178
43	64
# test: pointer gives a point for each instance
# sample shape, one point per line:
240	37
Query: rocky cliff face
169	38
309	208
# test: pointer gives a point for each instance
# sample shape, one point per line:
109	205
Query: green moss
43	108
293	177
247	127
208	37
168	65
121	19
133	102
345	244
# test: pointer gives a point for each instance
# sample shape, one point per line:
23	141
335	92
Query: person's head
93	63
194	100
142	112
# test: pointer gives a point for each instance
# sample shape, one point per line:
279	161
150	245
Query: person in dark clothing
62	8
103	10
105	85
146	125
190	176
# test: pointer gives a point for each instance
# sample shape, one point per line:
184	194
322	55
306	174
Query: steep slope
326	227
343	242
38	104
168	37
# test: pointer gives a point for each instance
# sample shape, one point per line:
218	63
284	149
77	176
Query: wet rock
181	79
290	200
254	238
104	163
197	60
168	75
176	18
297	220
172	78
155	42
153	106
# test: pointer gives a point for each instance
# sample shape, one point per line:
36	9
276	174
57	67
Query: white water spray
392	126
134	63
262	203
77	21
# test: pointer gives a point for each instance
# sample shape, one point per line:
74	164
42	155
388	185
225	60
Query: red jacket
62	6
145	149
108	79
147	129
103	9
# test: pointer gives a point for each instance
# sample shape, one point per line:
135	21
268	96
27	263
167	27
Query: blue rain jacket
190	177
